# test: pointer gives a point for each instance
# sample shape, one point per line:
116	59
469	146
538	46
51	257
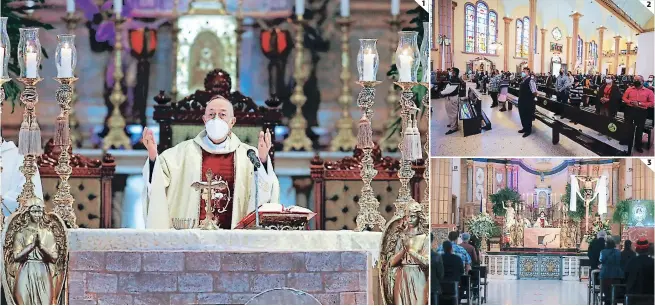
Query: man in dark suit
436	275
527	95
595	247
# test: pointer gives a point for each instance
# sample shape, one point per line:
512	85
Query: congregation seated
639	273
610	271
457	250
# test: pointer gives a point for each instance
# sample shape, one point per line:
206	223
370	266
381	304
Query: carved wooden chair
90	185
337	186
182	120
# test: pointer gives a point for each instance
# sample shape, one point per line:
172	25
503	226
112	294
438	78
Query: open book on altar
277	217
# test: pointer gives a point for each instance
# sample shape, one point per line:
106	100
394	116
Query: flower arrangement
597	227
481	225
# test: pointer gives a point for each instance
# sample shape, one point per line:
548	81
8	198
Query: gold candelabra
297	139
63	200
425	202
175	31
392	138
345	140
116	136
369	215
239	31
72	20
29	139
405	173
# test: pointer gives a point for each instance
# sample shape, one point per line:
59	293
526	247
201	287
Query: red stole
222	165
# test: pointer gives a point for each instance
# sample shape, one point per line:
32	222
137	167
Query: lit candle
395	7
70	6
300	7
368	67
405	67
31	65
345	8
118	7
29	4
66	68
2	62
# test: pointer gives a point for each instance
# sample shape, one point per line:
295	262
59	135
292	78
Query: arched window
481	28
594	52
522	37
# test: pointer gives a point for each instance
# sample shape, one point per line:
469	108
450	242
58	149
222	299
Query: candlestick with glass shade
367	67
407	62
425	82
392	137
65	60
29	135
5	50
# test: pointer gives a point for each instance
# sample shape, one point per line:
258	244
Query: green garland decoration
621	213
17	18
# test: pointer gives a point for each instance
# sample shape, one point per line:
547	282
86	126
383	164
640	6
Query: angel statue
34	253
405	259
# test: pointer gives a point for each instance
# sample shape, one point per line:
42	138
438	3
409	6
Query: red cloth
606	92
222	165
642	95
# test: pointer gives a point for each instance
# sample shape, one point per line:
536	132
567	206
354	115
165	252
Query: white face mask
216	129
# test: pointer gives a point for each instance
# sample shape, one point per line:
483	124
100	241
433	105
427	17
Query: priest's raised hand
168	193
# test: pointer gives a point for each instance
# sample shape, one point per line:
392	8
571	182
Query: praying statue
411	260
541	221
509	216
170	175
34	269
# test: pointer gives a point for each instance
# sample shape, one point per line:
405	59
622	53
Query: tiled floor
502	140
536	292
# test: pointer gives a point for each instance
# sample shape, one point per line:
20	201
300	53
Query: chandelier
443	40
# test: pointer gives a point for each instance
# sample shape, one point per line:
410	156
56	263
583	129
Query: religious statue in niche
541	221
203	58
35	256
516	232
404	259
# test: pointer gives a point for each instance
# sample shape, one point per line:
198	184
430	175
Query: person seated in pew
610	268
457	250
639	270
453	267
649	84
608	98
436	271
640	99
12	179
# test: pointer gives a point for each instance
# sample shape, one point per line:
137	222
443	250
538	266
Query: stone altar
541	237
125	266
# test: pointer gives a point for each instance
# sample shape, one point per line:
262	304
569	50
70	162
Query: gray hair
601	234
466	237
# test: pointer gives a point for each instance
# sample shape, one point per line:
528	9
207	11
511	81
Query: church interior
537	238
593	40
319	75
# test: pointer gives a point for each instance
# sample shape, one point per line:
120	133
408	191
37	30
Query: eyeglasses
215	115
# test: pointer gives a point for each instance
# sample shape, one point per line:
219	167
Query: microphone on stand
254	159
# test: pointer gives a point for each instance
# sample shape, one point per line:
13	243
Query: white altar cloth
224	240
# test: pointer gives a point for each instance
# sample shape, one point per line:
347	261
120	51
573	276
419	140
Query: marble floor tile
536	292
502	140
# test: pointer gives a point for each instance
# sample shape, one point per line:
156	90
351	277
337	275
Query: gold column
543	50
345	139
63	199
617	39
72	20
533	19
30	147
174	45
601	31
297	139
576	30
392	138
239	31
507	20
116	136
568	54
627	58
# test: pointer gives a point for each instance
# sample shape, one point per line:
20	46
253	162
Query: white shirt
12	179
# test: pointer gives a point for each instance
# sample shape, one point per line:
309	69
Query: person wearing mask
575	94
639	99
457	250
484	82
561	89
610	268
598	79
627	254
466	237
527	97
452	105
608	98
453	267
595	247
549	82
503	88
649	83
493	88
436	271
639	270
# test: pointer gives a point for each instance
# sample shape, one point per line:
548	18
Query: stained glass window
493	29
470	28
480	28
535	38
526	35
579	51
519	36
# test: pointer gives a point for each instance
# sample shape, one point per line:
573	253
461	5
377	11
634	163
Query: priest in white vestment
12	179
168	193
